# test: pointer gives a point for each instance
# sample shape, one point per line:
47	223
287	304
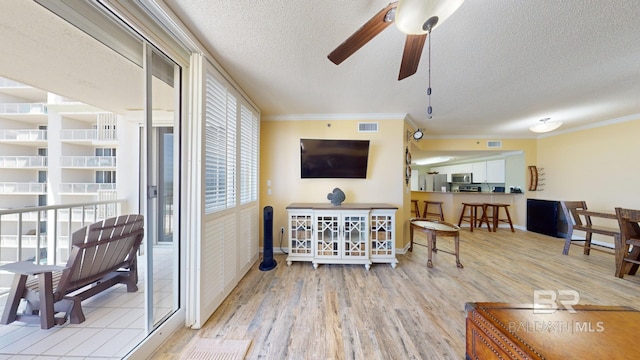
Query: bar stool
438	214
473	218
416	208
495	215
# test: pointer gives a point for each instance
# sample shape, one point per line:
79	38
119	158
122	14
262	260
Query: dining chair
627	258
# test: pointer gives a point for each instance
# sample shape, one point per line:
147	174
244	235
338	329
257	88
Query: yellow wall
598	165
280	164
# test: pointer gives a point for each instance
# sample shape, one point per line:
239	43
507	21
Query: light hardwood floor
411	312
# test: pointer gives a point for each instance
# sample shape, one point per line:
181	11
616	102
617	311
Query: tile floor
114	325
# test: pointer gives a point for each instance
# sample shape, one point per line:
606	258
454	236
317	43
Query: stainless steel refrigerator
434	182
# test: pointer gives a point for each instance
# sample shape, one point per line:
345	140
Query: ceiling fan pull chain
429	109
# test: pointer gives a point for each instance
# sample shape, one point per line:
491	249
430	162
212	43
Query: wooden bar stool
416	208
438	214
495	215
472	218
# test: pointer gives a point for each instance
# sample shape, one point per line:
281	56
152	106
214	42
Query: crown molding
335	117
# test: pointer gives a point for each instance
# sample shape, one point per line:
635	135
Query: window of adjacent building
105	177
105	152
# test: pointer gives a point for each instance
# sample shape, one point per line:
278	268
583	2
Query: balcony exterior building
54	151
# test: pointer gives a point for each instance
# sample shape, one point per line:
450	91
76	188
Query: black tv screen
321	158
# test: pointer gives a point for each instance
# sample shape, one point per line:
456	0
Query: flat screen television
345	159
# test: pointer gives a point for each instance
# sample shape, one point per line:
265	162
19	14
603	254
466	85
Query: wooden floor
411	312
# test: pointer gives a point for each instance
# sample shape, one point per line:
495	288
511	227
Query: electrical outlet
282	230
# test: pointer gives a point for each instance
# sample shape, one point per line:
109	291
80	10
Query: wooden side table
22	270
433	229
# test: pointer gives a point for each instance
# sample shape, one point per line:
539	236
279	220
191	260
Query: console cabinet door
328	239
300	236
382	237
355	244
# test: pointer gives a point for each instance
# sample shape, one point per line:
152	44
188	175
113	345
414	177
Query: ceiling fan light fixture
411	15
545	126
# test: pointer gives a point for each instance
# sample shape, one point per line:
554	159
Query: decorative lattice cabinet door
300	236
382	236
342	237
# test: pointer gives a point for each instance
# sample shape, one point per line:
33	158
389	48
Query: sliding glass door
162	247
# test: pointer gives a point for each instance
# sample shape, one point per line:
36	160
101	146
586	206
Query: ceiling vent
368	127
492	144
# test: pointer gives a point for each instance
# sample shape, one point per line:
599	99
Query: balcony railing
20	162
88	161
23	108
87	135
23	135
17	188
41	234
85	188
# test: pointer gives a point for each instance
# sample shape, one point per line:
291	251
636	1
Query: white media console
345	234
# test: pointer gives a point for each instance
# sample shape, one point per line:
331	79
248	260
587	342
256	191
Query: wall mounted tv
321	158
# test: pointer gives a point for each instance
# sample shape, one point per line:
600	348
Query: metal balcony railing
23	135
41	234
17	188
88	161
21	162
23	108
85	188
87	135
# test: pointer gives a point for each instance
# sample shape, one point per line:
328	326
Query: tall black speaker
268	262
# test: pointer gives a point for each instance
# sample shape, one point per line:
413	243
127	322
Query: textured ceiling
497	66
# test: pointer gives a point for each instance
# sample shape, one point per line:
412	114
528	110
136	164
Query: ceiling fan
416	18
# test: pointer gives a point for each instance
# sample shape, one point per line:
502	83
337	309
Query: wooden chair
495	215
571	210
102	255
474	218
437	214
627	261
416	208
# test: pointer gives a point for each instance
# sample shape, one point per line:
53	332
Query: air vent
368	127
494	144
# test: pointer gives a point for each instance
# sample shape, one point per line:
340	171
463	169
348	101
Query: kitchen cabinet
479	171
345	234
452	169
496	171
492	171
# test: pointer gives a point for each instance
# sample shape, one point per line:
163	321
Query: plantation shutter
248	156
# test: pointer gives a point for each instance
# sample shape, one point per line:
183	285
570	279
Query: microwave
463	178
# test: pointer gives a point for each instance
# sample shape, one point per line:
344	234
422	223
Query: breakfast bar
452	203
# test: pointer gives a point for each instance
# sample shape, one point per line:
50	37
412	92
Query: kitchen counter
452	203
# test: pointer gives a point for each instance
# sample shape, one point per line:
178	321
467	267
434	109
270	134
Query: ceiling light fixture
419	17
433	160
545	126
412	16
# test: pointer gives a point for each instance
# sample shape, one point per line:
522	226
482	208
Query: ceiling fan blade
362	36
411	56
